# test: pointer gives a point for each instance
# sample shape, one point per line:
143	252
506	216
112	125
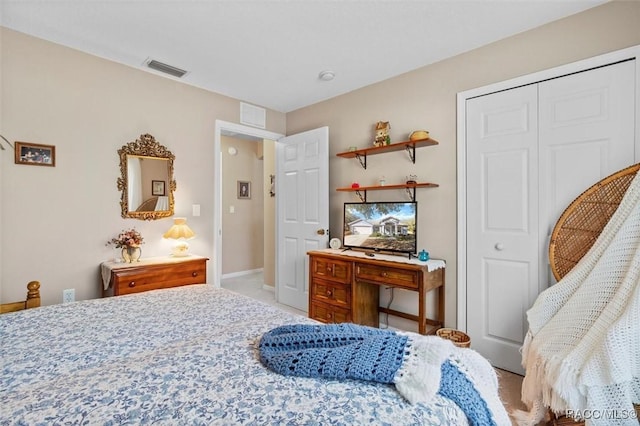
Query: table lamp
180	232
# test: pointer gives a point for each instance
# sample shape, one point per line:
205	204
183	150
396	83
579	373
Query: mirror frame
145	146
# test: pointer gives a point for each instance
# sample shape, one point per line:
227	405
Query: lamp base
181	249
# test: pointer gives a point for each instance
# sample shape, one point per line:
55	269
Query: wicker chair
579	227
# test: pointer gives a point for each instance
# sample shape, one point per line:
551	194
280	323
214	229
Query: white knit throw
582	350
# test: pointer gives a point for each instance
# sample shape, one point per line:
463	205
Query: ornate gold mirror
146	181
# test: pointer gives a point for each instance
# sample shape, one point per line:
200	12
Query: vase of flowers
129	241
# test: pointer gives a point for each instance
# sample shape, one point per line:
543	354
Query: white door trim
461	143
220	127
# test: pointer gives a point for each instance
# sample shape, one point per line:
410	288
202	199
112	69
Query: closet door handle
499	246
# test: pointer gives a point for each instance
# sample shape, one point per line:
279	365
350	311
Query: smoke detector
326	75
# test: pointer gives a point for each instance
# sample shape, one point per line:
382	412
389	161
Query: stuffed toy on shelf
382	133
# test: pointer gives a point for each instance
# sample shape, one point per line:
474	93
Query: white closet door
586	133
502	222
530	152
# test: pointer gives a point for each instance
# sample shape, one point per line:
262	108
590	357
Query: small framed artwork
244	189
157	187
35	154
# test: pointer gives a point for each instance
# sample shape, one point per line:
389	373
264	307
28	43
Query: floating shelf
410	188
409	146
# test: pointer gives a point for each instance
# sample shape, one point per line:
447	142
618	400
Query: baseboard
241	273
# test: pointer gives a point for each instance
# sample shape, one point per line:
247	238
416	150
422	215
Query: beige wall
55	221
426	99
242	229
269	274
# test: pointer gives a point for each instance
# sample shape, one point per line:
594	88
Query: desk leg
422	326
441	301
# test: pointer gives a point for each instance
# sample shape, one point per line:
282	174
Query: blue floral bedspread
183	356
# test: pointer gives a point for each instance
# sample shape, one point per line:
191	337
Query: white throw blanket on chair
582	351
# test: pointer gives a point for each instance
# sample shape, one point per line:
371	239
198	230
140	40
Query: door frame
220	128
461	147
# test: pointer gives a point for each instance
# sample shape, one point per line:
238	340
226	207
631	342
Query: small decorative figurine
355	185
382	133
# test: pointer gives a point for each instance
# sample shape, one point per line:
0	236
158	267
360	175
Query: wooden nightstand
152	274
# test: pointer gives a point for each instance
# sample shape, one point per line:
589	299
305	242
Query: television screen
381	226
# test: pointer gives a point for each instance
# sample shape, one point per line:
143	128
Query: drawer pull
132	284
194	274
329	293
384	274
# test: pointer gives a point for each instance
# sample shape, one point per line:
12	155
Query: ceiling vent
167	69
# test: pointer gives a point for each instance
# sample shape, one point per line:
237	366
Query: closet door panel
502	234
586	132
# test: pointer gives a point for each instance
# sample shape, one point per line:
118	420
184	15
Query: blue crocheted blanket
418	366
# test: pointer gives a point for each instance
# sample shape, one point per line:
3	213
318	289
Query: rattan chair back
583	220
578	229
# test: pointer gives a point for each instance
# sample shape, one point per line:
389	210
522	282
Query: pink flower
128	238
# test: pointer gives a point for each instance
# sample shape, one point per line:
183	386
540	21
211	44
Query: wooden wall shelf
409	146
410	187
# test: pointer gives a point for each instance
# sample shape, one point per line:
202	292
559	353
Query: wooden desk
152	274
344	287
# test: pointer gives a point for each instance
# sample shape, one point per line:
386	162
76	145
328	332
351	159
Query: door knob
499	246
320	232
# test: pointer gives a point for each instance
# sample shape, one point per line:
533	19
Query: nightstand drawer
329	314
333	293
384	274
331	269
139	278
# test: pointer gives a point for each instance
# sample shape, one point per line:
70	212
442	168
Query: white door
530	151
502	222
586	126
302	179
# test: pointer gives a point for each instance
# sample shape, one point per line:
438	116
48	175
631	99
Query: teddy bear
382	133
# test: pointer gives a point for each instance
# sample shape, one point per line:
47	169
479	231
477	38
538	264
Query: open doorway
245	212
248	213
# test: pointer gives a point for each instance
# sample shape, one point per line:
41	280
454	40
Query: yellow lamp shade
180	231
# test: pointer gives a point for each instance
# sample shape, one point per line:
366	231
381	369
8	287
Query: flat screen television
381	226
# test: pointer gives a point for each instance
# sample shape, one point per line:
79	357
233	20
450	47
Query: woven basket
458	338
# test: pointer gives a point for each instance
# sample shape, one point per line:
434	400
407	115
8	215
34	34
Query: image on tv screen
383	226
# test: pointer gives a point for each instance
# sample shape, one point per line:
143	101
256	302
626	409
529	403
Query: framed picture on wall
35	154
157	187
244	189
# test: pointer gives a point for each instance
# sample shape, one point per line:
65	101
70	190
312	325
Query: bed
184	355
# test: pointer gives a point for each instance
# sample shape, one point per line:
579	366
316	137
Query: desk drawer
334	293
153	278
384	274
331	269
329	314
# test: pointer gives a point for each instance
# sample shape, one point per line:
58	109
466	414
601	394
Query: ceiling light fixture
326	75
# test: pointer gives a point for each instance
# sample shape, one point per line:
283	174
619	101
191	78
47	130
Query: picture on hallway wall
157	187
34	154
244	189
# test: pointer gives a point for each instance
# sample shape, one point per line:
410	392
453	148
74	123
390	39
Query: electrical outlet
68	295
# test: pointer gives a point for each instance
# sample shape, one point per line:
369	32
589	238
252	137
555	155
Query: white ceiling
270	52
